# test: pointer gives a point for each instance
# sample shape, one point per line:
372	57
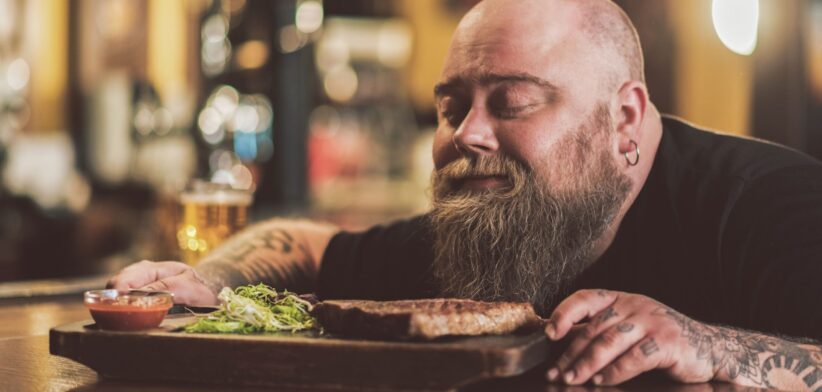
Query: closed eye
452	110
509	113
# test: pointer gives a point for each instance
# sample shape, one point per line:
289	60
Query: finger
577	307
603	350
186	289
145	272
642	357
602	321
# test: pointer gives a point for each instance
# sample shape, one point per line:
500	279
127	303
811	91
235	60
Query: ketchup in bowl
133	310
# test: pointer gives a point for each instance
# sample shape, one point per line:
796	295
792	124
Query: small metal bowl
133	310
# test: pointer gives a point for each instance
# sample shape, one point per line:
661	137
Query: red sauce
127	317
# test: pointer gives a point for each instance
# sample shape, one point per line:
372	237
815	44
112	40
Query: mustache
449	177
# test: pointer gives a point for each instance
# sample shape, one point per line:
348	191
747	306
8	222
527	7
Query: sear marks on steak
423	319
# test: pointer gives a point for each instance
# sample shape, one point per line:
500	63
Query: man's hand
616	336
182	280
625	335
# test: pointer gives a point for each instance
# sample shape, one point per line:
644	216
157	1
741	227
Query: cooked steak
426	318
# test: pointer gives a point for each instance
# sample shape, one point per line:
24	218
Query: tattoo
602	293
649	347
625	327
738	354
260	254
276	239
605	315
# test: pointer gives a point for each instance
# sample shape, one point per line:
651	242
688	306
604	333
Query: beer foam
219	197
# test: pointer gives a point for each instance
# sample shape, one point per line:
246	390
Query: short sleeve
383	263
772	253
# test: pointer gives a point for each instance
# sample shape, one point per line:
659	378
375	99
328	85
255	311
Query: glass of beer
210	213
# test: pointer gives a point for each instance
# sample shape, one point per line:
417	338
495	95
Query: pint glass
210	213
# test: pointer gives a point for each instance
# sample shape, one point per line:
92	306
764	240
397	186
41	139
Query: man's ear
632	101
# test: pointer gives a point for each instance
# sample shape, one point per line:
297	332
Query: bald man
649	242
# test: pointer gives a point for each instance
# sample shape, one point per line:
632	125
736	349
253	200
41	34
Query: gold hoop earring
636	150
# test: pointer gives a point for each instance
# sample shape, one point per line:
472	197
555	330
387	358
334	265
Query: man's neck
649	138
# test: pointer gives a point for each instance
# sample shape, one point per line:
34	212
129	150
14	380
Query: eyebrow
454	84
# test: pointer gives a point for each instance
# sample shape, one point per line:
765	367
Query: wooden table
26	365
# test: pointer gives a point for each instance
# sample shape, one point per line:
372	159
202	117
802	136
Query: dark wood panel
27	366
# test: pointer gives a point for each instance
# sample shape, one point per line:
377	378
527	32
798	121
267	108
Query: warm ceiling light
736	23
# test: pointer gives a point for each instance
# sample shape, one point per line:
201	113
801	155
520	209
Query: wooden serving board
295	360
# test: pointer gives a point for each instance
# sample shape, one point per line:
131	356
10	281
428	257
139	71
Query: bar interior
121	121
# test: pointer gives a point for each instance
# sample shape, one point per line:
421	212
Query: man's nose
475	134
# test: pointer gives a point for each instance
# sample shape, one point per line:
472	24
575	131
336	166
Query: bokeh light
736	23
341	83
17	74
309	17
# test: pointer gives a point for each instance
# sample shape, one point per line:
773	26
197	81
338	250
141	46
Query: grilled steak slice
426	318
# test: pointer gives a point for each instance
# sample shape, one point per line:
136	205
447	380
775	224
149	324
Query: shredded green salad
255	309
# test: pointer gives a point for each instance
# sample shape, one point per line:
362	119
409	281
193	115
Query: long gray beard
520	243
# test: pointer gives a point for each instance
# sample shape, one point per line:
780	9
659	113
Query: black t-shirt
725	230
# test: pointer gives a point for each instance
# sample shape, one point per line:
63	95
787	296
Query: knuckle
598	353
631	360
569	356
590	361
159	285
562	362
583	368
589	293
558	316
620	367
573	351
163	285
623	369
609	338
589	332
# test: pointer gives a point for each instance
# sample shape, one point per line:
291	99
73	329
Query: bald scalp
609	27
601	22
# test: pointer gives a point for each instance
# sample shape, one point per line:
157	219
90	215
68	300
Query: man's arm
752	358
628	334
283	253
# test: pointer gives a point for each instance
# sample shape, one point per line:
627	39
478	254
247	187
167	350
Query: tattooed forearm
750	357
267	253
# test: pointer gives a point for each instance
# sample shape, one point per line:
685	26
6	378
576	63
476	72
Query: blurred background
321	108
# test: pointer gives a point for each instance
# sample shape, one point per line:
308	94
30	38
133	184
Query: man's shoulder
411	231
705	152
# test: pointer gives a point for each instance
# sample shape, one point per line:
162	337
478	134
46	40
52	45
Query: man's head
538	102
